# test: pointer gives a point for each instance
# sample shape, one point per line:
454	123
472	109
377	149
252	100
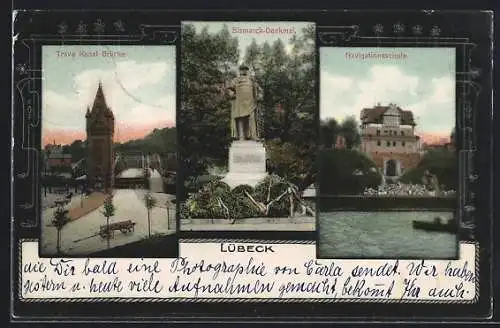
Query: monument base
247	163
236	179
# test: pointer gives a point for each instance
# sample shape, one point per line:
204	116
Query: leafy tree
441	162
109	211
329	130
59	220
77	149
350	131
286	160
150	202
337	172
209	61
253	57
158	141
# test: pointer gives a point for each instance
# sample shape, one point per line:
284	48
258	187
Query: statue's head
244	70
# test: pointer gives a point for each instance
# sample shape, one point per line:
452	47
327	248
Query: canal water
383	235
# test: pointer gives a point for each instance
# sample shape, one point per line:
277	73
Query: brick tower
100	131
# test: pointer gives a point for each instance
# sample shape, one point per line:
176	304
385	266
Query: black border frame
479	27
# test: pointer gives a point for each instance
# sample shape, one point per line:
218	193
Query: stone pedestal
247	163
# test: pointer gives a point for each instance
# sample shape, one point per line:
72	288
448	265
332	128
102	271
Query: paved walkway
90	203
80	237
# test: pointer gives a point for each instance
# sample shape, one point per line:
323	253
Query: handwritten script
289	272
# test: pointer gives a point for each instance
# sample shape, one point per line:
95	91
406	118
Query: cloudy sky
139	87
423	82
245	39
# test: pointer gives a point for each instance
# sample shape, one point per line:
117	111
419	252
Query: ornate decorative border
26	98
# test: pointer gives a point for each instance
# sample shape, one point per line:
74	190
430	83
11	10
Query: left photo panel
108	151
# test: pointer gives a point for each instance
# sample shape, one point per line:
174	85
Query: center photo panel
248	130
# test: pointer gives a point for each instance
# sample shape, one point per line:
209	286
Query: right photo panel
388	170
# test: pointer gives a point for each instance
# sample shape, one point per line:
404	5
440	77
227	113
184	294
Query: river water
383	235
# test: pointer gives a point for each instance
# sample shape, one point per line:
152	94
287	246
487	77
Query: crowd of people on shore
402	189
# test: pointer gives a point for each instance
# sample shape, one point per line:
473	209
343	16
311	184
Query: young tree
109	211
150	202
59	220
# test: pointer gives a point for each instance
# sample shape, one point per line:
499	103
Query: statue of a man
245	93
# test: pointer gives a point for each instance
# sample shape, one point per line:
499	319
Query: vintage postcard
177	165
109	150
247	124
389	157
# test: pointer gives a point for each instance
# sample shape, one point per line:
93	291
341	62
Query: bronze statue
245	94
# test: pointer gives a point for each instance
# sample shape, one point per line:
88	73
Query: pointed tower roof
100	102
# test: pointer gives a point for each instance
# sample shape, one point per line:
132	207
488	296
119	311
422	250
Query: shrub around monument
206	202
242	189
346	172
272	187
218	188
216	201
264	190
194	184
240	206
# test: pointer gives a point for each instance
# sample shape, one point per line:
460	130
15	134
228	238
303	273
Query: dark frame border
478	26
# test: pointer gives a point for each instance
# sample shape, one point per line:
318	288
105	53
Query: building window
378	132
403	143
394	143
388	143
402	133
378	142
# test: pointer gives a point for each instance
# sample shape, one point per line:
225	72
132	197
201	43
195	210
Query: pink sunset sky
139	87
123	133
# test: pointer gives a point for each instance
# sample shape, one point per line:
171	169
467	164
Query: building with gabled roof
388	137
